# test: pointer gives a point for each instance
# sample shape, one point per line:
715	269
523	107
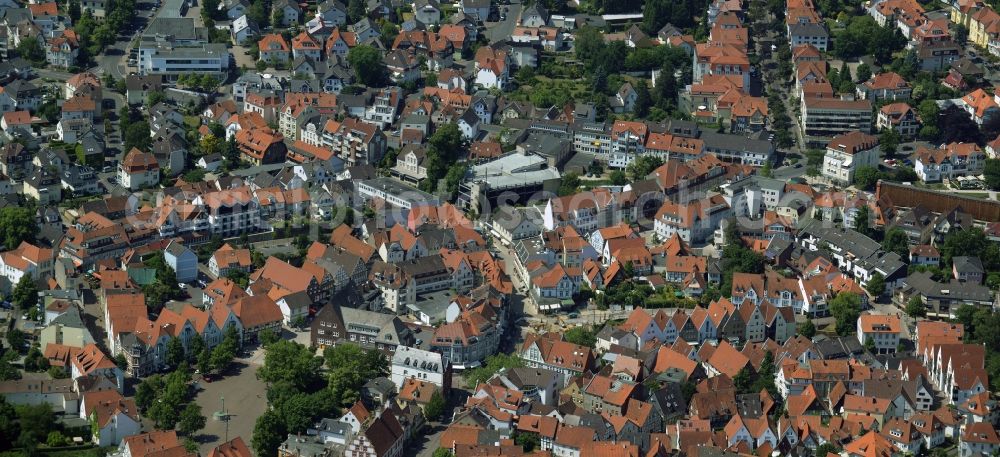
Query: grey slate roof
968	264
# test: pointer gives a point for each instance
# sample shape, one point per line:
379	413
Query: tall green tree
666	87
915	307
583	335
876	285
195	347
349	367
807	329
897	241
846	309
290	361
175	352
25	294
643	100
268	433
368	66
889	142
355	10
435	407
862	221
864	72
991	174
191	420
31	49
137	136
225	352
494	363
74	10
588	44
642	166
17	224
865	177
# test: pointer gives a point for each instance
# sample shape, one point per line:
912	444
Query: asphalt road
497	31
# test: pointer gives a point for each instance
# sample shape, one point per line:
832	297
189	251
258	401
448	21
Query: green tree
240	277
57	373
268	337
300	410
369	69
846	309
36	422
292	362
30	49
618	178
17	224
435	407
889	142
145	391
876	285
864	72
961	34
643	100
16	339
991	174
865	177
268	433
223	354
175	352
765	376
807	329
25	294
155	97
121	361
642	166
862	221
448	140
569	184
870	344
442	452
35	361
350	367
278	17
7	371
191	420
766	171
204	362
896	241
970	242
666	88
588	43
74	10
355	10
494	363
195	347
55	439
137	136
915	307
742	381
583	335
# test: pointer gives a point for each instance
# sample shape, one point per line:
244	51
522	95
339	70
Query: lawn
981	195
